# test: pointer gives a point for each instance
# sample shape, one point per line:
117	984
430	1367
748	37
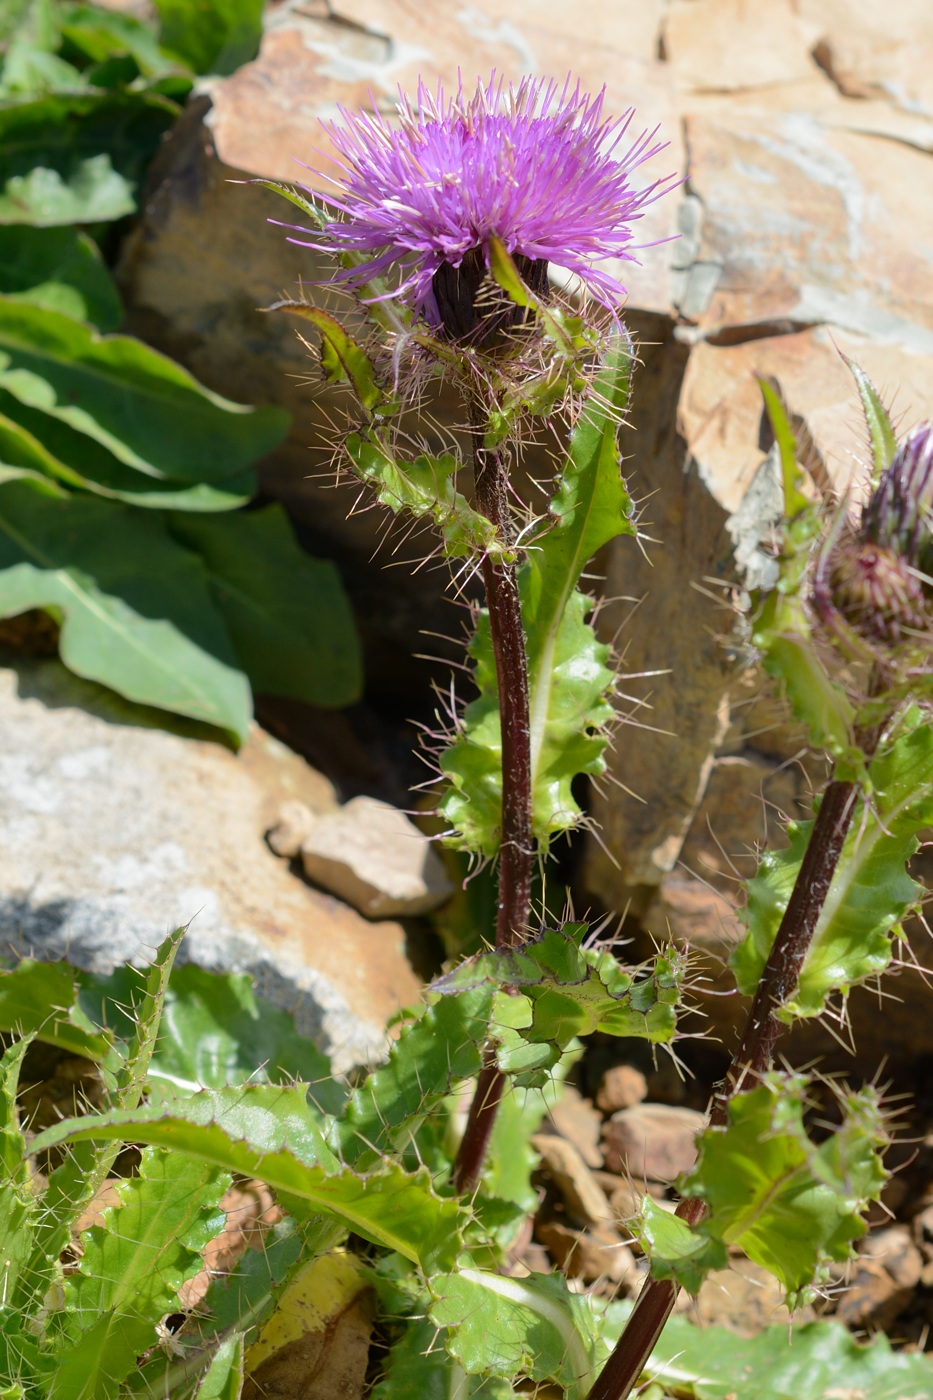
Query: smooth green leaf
77	157
870	890
878	421
214	1032
271	1133
35	441
151	634
508	1327
103	34
142	406
287	613
61	269
41	999
790	1205
211	36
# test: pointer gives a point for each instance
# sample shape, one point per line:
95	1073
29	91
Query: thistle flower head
876	577
539	167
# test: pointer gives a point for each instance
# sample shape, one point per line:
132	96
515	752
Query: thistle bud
873	586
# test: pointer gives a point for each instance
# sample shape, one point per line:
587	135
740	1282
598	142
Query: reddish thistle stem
752	1059
514	903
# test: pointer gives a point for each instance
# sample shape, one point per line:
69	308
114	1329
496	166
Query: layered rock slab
113	832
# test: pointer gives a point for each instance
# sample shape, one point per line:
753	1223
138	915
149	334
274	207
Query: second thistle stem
516	845
753	1058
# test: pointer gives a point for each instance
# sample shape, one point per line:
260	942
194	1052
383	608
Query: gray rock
113	832
372	856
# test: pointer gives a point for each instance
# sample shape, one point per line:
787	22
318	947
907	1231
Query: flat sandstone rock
370	854
114	831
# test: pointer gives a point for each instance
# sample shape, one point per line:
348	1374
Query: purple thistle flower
536	166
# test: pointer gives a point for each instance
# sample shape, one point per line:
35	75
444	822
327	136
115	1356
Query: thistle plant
444	225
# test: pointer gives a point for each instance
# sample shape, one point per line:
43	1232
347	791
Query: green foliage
560	990
59	269
790	1205
570	681
100	435
811	1362
877	419
415	1366
870	891
131	1271
211	36
505	1327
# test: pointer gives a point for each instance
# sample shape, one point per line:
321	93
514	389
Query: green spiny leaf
566	991
870	891
441	1046
508	1327
418	1366
272	1133
223	1379
132	1268
675	1250
569	680
424	488
343	360
878	421
791	1206
795	502
19	1202
811	1362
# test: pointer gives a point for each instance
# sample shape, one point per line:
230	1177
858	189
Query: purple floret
537	166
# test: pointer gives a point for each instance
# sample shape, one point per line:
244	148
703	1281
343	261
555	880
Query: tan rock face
114	831
370	854
653	1140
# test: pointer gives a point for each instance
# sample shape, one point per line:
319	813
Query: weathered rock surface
369	854
622	1086
113	832
652	1141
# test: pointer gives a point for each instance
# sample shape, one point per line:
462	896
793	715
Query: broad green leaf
287	614
272	1134
570	682
814	1361
870	890
790	1205
223	1379
41	999
211	36
151	633
35	441
440	1046
425	489
418	1366
131	1270
509	1327
77	157
214	1032
343	360
142	406
877	420
102	34
61	269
